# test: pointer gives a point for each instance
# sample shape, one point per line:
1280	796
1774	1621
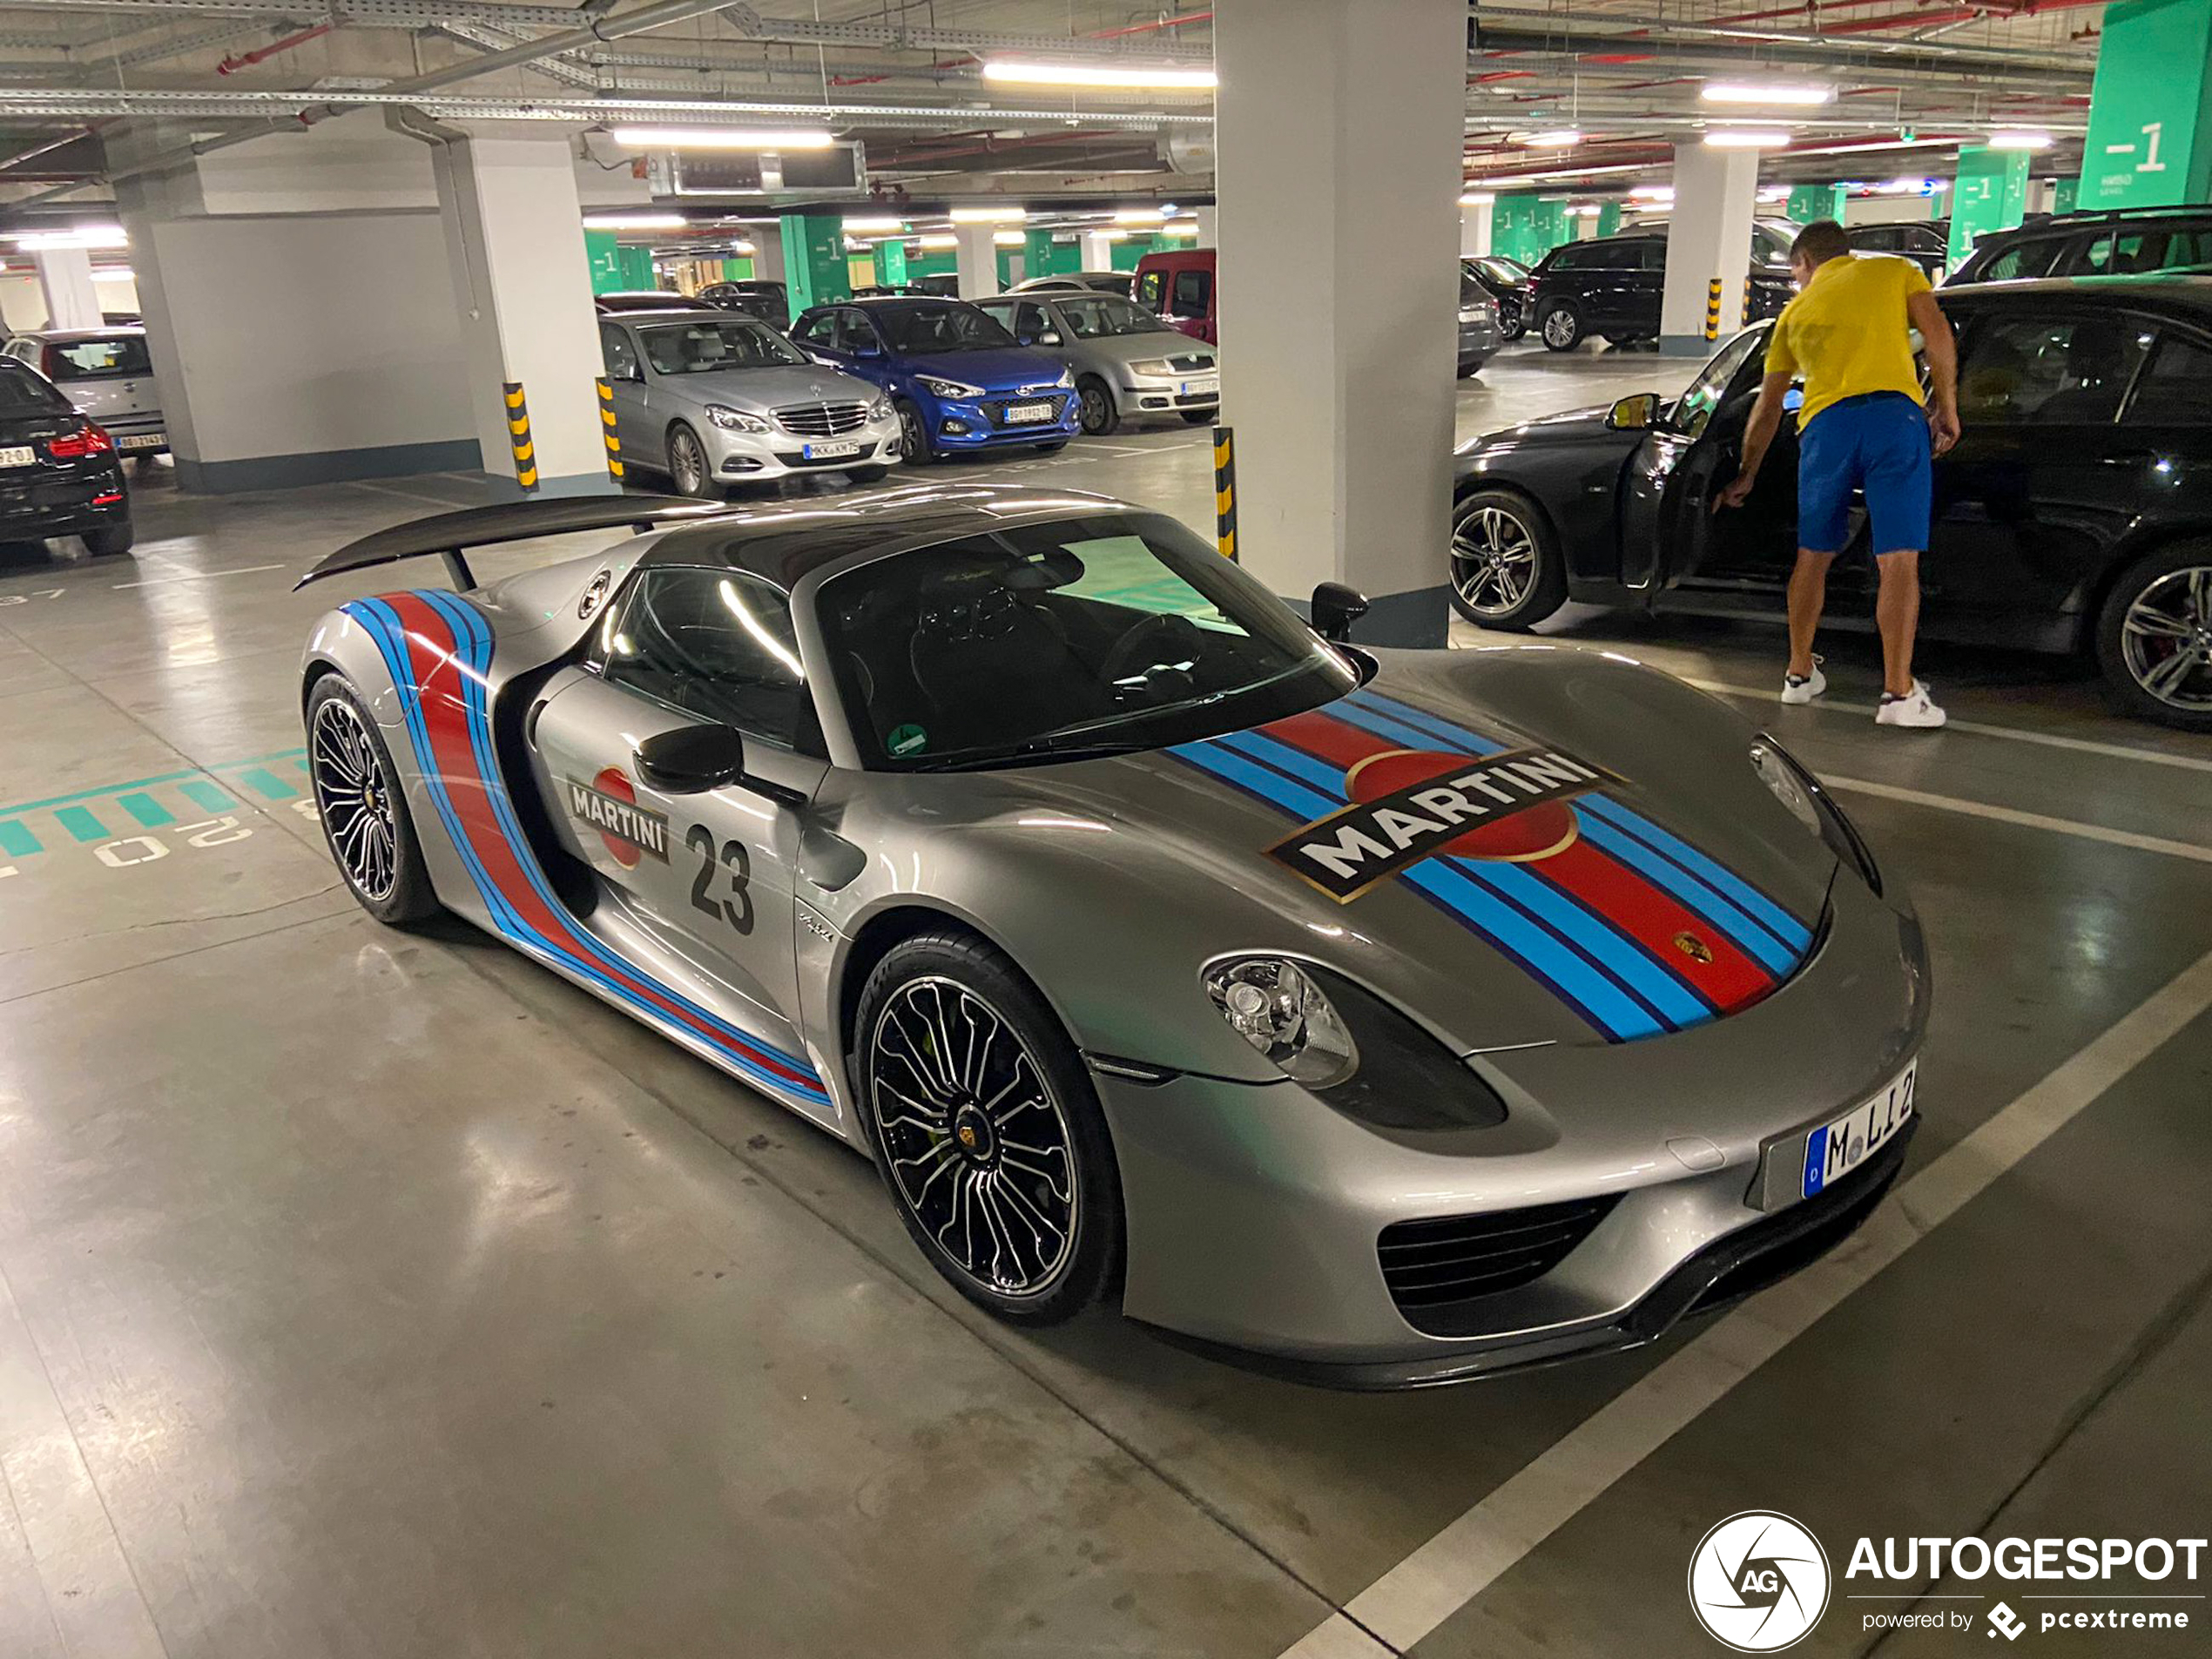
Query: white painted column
977	260
1098	251
65	276
514	246
1708	235
1475	219
2042	195
767	252
1338	342
1209	226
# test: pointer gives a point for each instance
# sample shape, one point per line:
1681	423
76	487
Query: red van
1179	285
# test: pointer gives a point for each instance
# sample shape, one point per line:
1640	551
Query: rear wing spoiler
450	535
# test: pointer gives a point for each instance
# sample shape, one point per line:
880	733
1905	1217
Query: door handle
530	721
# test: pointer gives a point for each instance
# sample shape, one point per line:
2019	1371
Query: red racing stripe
1610	889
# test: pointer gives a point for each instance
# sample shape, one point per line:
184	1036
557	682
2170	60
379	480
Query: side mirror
1335	607
691	758
1634	413
1051	337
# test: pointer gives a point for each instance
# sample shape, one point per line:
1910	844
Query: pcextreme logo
1758	1582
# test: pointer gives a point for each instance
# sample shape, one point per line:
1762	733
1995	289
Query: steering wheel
1150	643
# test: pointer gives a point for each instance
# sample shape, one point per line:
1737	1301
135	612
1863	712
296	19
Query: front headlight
937	388
1814	807
1275	1006
1151	365
736	420
1067	377
881	410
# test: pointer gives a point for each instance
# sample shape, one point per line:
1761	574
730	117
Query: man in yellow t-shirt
1848	334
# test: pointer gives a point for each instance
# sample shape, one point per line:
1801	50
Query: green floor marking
140	783
81	824
204	794
15	839
268	783
302	763
147	810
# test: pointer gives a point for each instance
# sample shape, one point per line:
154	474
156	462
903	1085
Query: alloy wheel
1560	328
355	799
976	1143
913	443
687	464
1098	411
1494	560
2166	639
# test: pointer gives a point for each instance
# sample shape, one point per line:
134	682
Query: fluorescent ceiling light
1745	139
1009	238
1906	187
988	215
2016	139
874	224
940	240
1477	199
1181	227
635	222
116	273
1560	139
1857	145
1585	210
1791	92
1652	192
723	138
743	250
76	236
1142	77
1139	216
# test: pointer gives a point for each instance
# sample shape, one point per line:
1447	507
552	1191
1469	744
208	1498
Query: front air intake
1432	1264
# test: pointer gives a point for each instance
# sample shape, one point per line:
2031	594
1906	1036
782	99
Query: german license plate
1025	414
20	455
1210	386
1837	1148
142	440
828	451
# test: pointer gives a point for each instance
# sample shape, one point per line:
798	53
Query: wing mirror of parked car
694	758
1634	413
1051	337
1335	607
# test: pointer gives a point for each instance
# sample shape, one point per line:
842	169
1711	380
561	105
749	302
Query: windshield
117	357
1504	271
706	347
1045	641
925	328
23	393
1695	406
1092	316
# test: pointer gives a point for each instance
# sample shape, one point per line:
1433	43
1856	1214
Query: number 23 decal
736	908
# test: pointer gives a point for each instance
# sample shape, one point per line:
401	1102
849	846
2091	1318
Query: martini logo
1410	805
609	805
1758	1582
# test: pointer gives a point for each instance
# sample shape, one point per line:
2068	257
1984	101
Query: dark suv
2111	241
1612	286
1926	242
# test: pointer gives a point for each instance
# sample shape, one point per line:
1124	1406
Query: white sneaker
1915	708
1803	691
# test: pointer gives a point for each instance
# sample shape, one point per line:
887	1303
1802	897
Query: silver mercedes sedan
1126	361
712	399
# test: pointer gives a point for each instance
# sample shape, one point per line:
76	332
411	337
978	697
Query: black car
2112	241
1507	281
1926	242
1612	286
2075	515
768	301
58	471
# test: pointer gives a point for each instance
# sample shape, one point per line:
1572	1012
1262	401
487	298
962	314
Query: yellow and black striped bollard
1713	309
1224	492
1747	302
607	428
518	434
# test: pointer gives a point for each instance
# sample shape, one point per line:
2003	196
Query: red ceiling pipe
261	54
1905	20
1147	28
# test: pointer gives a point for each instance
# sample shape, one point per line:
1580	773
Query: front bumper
1255	1212
1168	393
735	456
981	423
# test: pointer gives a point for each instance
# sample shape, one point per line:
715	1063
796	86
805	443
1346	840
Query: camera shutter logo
1758	1582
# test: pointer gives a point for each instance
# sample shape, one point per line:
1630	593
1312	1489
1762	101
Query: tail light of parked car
88	440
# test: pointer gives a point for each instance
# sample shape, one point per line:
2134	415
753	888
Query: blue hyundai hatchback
955	375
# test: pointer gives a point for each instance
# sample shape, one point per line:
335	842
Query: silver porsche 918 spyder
1382	1017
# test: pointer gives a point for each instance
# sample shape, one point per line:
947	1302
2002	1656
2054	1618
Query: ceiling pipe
261	54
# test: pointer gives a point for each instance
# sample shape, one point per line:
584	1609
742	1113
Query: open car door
1752	546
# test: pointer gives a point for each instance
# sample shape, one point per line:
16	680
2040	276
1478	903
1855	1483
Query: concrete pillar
891	264
66	277
2150	108
1098	251
2042	195
1475	220
1708	235
977	260
815	269
767	252
514	249
1991	194
1337	365
1209	226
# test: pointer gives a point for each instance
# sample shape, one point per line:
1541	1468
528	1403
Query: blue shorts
1877	444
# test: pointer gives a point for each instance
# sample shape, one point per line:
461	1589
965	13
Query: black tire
1506	569
687	467
1100	413
1512	324
1200	418
1561	325
405	897
2154	638
914	447
868	475
1065	1139
1052	448
112	542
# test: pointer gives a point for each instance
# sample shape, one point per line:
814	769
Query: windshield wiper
1058	747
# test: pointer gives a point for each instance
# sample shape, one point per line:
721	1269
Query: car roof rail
2074	215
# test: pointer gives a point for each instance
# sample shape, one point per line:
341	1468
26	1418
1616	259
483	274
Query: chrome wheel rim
1094	409
1494	561
689	465
976	1143
1560	328
2166	639
910	440
353	799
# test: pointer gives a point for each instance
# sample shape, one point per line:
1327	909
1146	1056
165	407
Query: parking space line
2028	820
197	576
1978	728
1474	1551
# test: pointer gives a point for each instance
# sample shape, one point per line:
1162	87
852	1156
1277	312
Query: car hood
760	390
1137	349
1003	370
1663	888
1568	426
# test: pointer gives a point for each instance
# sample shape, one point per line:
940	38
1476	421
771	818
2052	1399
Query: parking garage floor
364	1294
